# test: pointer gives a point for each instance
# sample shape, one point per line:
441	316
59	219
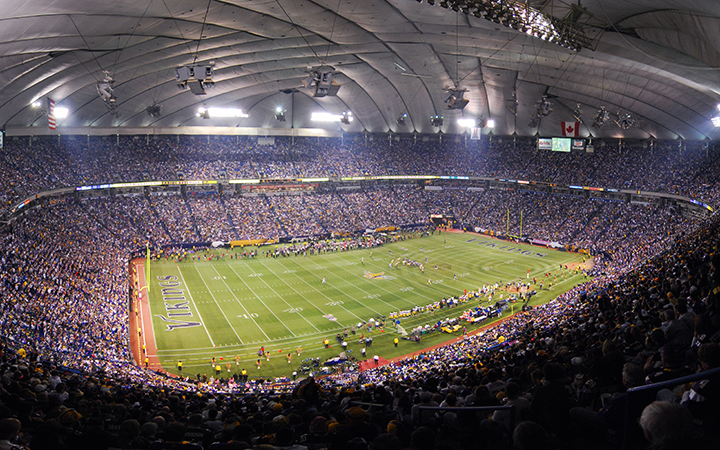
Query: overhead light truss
196	77
454	98
322	82
565	32
107	94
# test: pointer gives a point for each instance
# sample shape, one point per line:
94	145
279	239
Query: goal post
507	222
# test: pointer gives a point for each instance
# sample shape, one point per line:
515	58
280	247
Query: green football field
233	307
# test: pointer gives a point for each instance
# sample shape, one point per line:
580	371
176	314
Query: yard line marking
343	292
242	306
393	307
258	297
391	282
194	306
218	304
271	271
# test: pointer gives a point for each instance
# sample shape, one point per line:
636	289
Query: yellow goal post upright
147	269
147	263
507	222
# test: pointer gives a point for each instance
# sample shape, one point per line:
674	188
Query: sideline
141	320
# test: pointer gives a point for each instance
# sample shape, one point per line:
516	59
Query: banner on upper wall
578	144
476	134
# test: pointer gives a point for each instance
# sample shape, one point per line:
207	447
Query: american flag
51	113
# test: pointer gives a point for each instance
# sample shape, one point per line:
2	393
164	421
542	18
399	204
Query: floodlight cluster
521	17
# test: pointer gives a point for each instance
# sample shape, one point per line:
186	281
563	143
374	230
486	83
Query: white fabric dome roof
657	60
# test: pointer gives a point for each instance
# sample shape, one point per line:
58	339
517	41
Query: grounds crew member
179	366
396	342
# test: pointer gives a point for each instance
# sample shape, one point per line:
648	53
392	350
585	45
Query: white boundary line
218	305
342	292
140	310
258	297
195	306
240	303
281	298
303	296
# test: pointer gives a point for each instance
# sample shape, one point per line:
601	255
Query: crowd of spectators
33	164
651	314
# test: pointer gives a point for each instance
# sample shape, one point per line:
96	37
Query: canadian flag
570	128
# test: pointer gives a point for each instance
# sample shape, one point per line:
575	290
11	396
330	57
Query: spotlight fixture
490	123
577	114
207	113
280	114
321	80
466	123
327	117
716	119
346	117
154	110
454	98
196	77
566	32
401	119
107	94
203	113
626	121
601	118
436	121
61	113
544	107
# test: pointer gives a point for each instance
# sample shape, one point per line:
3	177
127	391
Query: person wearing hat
69	421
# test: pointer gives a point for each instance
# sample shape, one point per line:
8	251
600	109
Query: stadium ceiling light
280	114
716	121
436	121
196	77
207	113
60	112
490	123
467	123
327	117
454	99
568	31
36	104
154	110
346	117
322	81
